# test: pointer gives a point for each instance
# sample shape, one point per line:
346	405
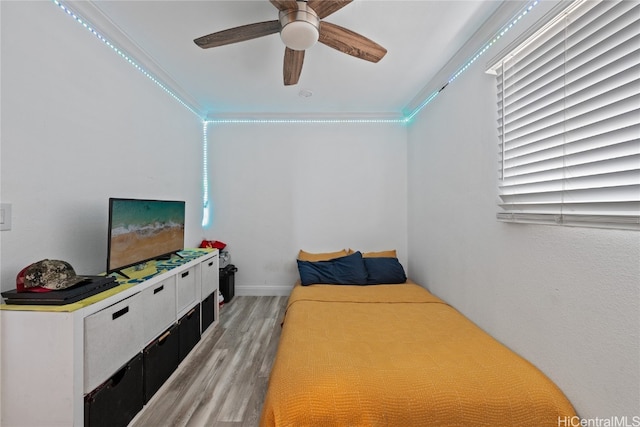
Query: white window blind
569	120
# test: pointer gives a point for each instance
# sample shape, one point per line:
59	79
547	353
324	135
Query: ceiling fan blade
238	34
351	43
293	60
324	8
285	4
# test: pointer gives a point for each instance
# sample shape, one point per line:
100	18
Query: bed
395	355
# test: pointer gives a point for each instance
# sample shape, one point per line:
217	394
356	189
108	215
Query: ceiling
246	78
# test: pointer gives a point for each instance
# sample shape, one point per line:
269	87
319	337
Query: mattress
396	355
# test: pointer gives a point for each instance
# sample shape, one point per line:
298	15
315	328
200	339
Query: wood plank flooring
223	381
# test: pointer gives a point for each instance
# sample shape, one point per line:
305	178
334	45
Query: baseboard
267	290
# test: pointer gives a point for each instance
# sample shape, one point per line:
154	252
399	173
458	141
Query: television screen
142	230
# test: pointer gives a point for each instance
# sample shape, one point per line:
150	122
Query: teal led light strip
122	54
477	55
206	207
249	121
421	106
494	39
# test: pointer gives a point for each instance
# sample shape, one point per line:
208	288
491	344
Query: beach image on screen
144	229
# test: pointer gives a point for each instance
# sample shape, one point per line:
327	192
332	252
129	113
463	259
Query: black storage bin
207	311
227	281
160	359
118	400
189	331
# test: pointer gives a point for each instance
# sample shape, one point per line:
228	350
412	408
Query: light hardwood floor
223	381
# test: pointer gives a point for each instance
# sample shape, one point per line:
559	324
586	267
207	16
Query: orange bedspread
395	355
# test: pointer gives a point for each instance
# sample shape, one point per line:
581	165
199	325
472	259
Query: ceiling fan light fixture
300	28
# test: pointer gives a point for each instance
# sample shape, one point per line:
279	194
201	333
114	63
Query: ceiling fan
300	26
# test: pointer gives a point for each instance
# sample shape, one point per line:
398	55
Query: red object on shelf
216	244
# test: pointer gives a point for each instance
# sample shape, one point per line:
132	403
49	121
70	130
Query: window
569	120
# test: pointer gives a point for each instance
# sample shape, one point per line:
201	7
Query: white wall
567	299
279	188
80	125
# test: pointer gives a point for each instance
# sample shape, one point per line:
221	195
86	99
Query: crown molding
305	117
91	14
505	14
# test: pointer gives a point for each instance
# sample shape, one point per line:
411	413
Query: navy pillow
346	270
384	270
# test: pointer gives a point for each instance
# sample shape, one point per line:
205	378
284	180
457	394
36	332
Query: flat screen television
142	230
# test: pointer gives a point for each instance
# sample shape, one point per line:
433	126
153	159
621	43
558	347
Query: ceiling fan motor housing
300	28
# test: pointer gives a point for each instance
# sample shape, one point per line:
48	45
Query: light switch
5	216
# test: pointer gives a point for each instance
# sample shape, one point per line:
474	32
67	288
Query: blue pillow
346	270
384	271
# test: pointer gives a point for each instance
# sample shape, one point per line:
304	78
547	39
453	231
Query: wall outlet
5	216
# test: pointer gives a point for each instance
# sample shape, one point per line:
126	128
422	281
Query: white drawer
210	276
187	292
111	337
159	308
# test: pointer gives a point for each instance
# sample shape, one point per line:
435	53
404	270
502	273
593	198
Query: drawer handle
164	337
120	313
211	263
193	310
159	289
118	376
185	274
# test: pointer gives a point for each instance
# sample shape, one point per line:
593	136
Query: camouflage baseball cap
47	275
